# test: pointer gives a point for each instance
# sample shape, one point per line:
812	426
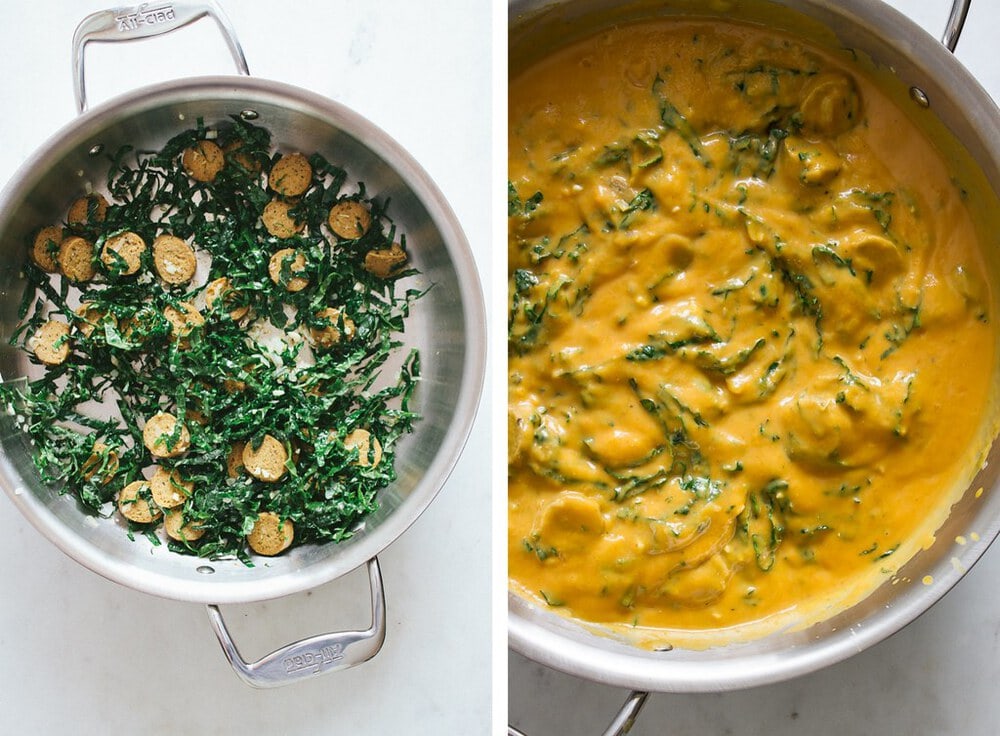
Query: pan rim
571	646
206	589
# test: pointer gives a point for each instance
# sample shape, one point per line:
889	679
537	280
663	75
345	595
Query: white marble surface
80	655
937	677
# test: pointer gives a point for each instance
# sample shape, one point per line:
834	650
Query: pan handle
314	656
623	721
956	21
625	718
142	21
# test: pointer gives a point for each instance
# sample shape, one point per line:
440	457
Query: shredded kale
227	385
518	207
644	200
763	521
672	119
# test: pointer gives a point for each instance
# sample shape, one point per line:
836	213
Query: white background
80	655
938	677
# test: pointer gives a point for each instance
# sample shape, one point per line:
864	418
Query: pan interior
445	325
963	123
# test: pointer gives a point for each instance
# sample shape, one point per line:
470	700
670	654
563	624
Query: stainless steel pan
940	93
447	327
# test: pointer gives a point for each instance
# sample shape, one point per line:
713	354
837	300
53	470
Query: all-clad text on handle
143	21
316	655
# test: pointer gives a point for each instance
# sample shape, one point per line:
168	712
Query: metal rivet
205	569
918	96
96	150
249	114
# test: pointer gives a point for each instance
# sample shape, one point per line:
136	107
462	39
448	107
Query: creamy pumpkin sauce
751	334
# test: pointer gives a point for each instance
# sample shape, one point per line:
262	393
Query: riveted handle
623	721
142	21
956	21
317	655
625	718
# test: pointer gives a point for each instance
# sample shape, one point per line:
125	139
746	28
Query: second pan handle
314	656
623	721
956	21
143	21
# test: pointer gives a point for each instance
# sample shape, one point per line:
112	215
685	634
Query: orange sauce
751	333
